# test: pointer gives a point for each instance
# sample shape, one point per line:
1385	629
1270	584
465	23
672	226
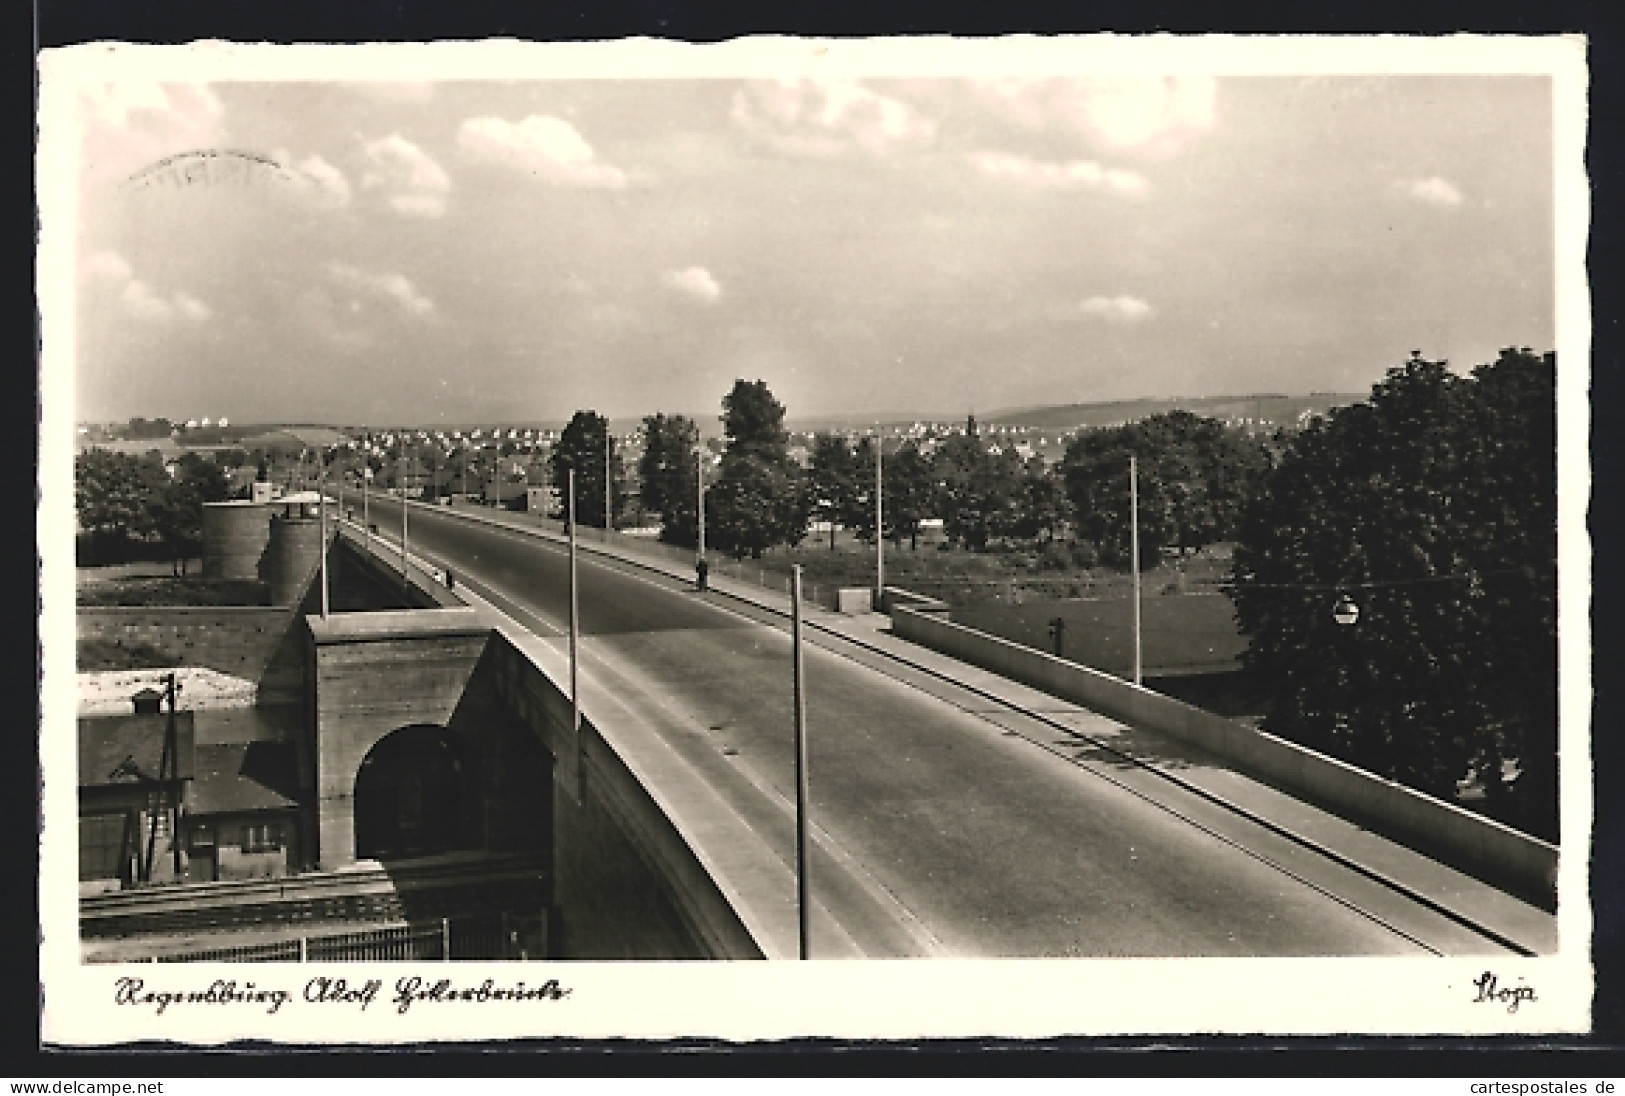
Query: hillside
1267	407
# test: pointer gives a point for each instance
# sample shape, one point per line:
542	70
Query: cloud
416	186
133	124
108	264
1433	190
695	282
391	288
1050	176
140	299
191	308
419	205
148	305
1149	115
548	147
826	118
331	185
1118	309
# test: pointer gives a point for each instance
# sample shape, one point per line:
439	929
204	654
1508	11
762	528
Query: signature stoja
1490	990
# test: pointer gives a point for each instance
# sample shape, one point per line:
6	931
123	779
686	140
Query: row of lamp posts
1346	612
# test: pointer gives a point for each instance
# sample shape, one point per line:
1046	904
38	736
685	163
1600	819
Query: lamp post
803	882
699	481
880	530
1134	551
609	479
406	580
575	633
321	525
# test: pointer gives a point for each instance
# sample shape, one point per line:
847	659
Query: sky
470	251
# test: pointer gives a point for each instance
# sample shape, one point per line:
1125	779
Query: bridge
956	811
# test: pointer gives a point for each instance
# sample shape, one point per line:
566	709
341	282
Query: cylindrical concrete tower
291	557
234	538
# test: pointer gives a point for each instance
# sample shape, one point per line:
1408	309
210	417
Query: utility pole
366	507
406	580
174	749
803	882
880	531
699	481
1134	550
155	801
575	632
321	518
609	480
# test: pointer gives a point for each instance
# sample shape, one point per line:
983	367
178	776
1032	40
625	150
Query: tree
909	490
582	447
667	475
858	507
755	505
112	496
760	498
1043	509
753	421
1192	473
177	506
976	490
1432	505
833	480
139	429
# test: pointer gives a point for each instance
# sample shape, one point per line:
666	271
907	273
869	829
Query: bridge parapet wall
629	884
1480	846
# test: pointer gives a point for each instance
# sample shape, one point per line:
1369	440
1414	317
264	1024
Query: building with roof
155	792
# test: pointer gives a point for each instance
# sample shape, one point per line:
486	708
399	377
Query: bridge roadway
941	831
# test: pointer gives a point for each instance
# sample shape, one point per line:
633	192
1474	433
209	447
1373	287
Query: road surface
994	846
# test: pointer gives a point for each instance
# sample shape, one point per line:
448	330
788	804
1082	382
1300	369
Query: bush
1085	553
1055	556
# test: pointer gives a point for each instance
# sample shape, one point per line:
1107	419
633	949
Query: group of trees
127	504
1194	473
1432	507
1193	476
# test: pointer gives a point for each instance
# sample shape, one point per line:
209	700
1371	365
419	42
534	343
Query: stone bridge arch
418	792
372	676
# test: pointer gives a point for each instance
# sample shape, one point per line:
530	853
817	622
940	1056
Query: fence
473	938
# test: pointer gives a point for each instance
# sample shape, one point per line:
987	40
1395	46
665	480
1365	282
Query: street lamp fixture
1346	612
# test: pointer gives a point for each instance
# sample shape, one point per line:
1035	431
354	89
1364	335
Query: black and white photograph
528	530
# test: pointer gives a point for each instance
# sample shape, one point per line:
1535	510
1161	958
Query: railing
681	560
449	939
365	894
825	596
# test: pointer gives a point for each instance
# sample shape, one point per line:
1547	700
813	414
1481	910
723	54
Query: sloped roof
128	749
243	776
